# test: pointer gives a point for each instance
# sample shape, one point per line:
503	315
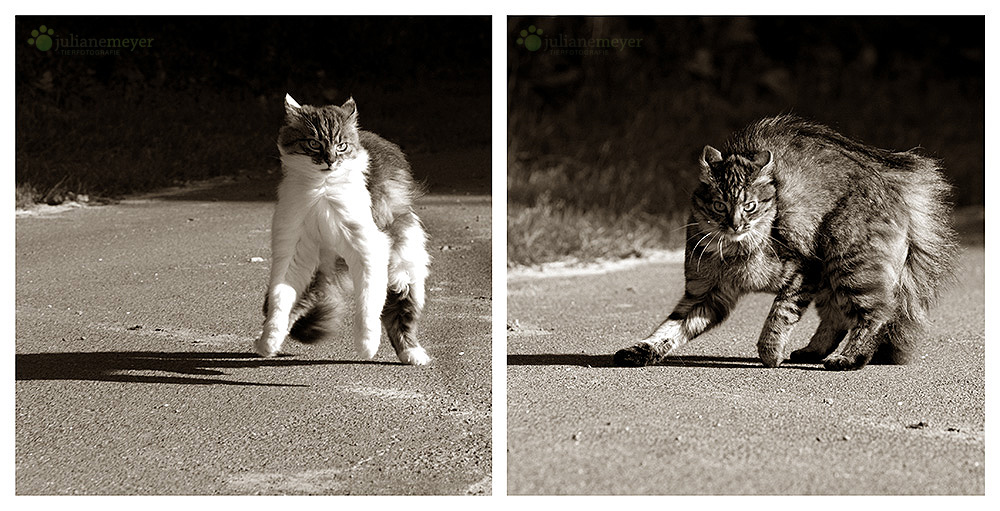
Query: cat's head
735	197
325	136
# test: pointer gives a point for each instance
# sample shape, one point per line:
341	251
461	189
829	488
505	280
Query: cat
794	208
344	226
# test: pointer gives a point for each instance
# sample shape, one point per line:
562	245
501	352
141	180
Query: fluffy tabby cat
344	223
794	208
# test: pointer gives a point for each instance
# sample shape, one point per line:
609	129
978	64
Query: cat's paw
641	354
266	347
841	363
770	355
366	348
414	356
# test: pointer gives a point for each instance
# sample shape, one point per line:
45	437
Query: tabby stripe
683	307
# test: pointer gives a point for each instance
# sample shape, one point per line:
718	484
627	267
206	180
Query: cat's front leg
789	304
369	269
694	314
286	286
279	302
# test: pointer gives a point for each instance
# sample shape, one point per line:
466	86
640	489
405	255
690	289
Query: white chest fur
331	207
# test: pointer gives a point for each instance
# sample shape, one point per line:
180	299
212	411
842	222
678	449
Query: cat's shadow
584	360
193	368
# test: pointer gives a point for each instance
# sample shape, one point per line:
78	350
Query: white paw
267	347
367	348
415	356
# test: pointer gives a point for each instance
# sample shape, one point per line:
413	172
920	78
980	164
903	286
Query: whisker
703	249
702	238
694	235
775	240
764	240
685	226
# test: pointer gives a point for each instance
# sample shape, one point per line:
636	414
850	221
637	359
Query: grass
126	144
194	106
602	167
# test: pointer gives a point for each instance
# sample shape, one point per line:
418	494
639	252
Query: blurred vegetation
205	98
602	148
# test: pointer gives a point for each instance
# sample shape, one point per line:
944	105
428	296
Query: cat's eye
341	147
750	207
719	206
314	145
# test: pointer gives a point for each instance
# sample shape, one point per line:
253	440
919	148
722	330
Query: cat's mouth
737	235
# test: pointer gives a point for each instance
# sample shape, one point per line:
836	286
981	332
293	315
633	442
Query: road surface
135	373
712	419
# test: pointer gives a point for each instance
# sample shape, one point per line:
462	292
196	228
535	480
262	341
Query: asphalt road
135	372
712	419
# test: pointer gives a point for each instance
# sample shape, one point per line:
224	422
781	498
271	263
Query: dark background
206	98
609	143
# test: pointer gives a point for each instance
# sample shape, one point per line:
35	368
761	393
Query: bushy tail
319	312
317	323
930	260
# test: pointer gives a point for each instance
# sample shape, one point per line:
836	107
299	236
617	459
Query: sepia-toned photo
745	255
253	256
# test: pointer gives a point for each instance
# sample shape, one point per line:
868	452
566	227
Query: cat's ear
352	110
291	106
709	155
764	160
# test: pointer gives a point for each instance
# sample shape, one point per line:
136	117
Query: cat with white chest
343	227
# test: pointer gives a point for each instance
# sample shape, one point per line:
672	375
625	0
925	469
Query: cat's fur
794	208
344	224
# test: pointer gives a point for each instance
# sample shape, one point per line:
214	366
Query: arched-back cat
793	208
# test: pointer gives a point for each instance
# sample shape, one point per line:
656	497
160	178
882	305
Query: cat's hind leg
405	298
867	312
828	335
898	344
857	348
863	282
399	317
822	343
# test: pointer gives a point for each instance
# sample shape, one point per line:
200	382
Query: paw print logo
530	38
42	38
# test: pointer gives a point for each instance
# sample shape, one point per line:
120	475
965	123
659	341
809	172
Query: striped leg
791	301
828	335
856	350
693	315
866	298
864	279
